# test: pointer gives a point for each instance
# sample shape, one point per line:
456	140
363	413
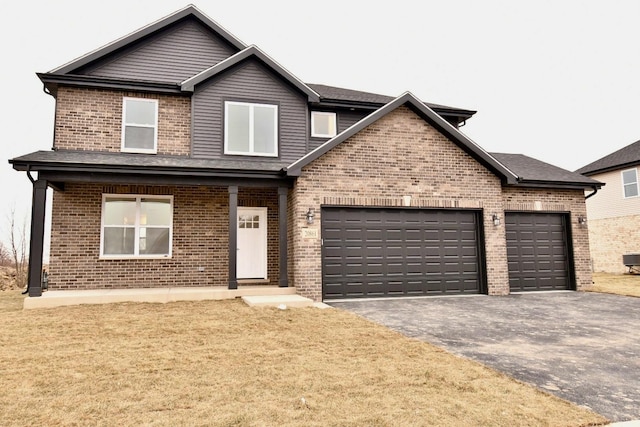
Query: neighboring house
614	212
183	157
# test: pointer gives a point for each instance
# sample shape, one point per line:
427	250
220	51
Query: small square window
139	125
630	183
323	125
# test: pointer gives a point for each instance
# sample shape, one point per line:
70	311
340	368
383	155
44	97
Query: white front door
252	243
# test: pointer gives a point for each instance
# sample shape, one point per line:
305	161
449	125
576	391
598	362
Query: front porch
252	295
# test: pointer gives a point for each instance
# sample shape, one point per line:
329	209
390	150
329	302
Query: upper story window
630	183
250	129
136	226
140	125
323	125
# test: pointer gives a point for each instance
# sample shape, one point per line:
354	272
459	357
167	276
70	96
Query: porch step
277	300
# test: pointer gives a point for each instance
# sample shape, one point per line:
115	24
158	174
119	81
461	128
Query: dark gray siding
170	56
345	119
348	118
250	82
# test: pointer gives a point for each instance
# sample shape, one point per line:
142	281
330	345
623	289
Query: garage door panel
537	251
399	252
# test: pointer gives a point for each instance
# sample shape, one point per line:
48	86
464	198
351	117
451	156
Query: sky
556	80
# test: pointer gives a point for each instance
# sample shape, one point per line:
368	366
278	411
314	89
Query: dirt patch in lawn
222	363
620	284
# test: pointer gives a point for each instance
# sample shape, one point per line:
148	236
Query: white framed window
250	129
323	125
136	226
139	125
630	183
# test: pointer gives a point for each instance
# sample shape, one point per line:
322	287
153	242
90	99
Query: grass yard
222	363
620	284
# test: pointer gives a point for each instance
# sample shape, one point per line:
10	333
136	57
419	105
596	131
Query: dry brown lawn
620	284
222	363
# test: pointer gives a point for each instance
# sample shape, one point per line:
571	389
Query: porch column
233	236
282	236
36	243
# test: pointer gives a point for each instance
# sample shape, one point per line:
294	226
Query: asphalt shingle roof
100	158
530	169
342	94
626	156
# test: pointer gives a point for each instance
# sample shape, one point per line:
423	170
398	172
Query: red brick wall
200	238
91	119
399	155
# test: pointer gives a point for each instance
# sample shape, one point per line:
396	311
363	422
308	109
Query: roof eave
565	185
44	166
51	82
611	168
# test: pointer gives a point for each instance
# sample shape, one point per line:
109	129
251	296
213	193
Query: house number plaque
310	233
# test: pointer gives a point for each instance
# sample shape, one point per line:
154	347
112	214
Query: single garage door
538	251
387	252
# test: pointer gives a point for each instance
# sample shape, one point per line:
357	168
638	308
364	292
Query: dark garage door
384	252
537	251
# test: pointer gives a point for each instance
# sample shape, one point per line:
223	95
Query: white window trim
251	142
624	194
313	128
136	227
123	148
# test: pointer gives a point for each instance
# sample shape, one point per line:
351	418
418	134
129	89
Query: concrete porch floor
255	296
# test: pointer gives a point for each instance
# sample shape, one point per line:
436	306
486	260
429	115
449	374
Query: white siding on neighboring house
610	201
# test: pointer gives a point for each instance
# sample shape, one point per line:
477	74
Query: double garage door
389	252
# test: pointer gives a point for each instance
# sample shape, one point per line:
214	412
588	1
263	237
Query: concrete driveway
582	347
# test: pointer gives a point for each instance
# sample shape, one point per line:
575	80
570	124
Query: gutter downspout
595	190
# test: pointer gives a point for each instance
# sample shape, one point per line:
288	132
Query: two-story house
183	157
614	212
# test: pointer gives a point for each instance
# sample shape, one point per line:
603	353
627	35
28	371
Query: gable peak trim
426	113
189	10
251	51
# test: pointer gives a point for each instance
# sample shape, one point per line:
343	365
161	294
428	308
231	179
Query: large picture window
630	183
251	129
139	125
136	226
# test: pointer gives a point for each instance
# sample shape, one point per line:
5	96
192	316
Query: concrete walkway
582	347
51	299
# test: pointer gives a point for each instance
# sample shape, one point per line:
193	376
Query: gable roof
408	99
147	30
623	158
533	172
250	52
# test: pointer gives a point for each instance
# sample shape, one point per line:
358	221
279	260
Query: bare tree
5	257
18	242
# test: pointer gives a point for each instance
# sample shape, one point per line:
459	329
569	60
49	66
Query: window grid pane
139	125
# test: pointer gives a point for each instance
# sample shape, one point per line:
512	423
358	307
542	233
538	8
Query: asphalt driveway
583	347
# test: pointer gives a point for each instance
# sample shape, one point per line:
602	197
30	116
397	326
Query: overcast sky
556	80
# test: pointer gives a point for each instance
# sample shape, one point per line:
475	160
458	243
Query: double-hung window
136	226
139	125
630	183
323	125
250	129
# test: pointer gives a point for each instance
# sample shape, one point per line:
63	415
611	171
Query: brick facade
572	201
399	155
200	238
610	238
91	119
